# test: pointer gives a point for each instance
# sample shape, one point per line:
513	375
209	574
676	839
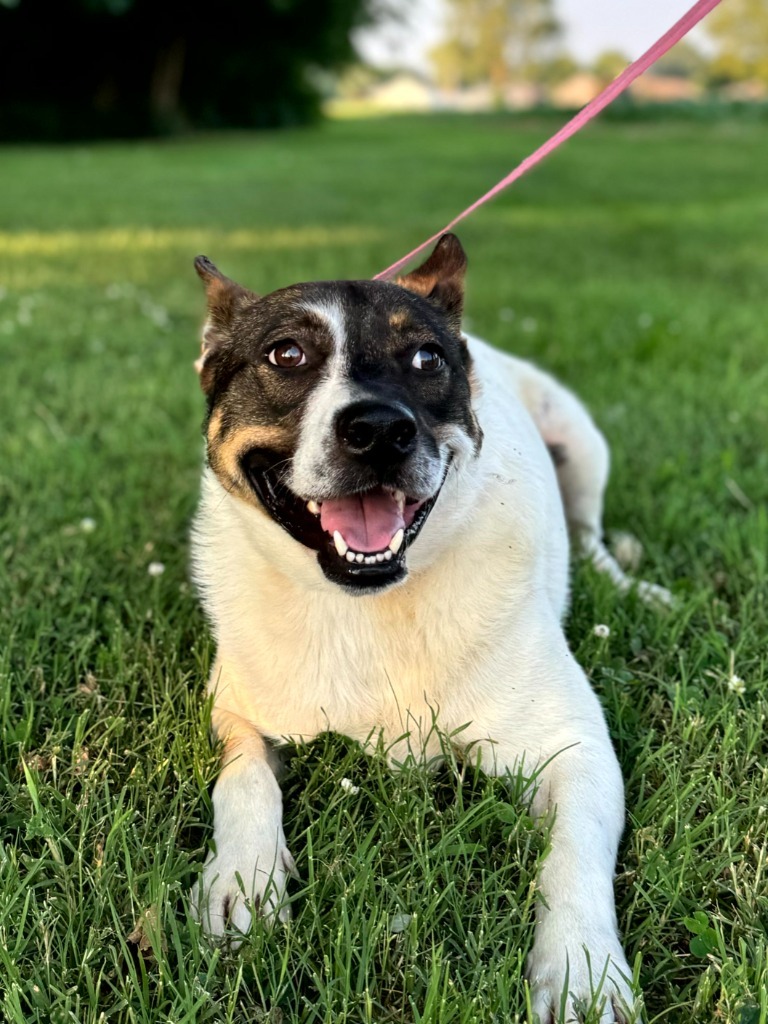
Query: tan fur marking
422	285
214	424
400	320
224	456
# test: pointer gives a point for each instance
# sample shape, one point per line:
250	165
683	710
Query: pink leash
681	28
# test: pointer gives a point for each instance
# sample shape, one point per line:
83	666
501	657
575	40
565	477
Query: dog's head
338	408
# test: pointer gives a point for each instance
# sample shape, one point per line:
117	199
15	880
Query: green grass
634	265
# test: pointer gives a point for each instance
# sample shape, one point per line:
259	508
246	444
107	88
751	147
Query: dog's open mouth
361	539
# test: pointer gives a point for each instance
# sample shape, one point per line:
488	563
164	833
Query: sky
591	26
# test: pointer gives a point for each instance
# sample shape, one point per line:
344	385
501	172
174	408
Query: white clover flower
529	324
156	568
87	525
602	631
737	685
645	320
349	787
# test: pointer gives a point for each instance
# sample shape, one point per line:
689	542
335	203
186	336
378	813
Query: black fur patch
558	454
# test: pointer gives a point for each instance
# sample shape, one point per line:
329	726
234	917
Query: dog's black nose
377	431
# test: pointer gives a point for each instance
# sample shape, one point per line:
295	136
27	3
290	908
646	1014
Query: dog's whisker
227	493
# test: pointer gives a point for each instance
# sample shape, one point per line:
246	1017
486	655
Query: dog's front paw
575	979
243	875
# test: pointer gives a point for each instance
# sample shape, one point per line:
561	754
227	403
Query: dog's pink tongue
367	522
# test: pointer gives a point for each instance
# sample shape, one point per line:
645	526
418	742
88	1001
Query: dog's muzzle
361	538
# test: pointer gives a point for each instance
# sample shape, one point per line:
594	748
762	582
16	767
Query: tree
683	61
558	69
496	41
739	29
78	68
609	64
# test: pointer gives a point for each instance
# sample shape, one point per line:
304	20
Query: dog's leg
556	728
582	461
251	862
576	947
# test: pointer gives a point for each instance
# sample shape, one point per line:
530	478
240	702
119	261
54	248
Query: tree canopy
75	68
495	40
740	32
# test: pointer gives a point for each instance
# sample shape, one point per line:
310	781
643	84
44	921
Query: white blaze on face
310	472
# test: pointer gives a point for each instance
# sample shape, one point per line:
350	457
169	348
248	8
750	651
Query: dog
383	542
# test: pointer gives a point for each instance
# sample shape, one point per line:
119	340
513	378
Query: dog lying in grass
382	543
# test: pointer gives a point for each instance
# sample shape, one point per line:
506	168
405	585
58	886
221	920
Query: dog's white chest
363	667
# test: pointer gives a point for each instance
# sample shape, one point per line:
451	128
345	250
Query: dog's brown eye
287	354
428	358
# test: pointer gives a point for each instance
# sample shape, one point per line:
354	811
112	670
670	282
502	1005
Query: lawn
634	265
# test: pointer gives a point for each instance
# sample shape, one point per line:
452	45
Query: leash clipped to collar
681	28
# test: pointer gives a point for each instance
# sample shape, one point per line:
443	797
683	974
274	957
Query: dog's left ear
441	278
225	300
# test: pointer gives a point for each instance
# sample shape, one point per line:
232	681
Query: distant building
665	89
483	97
471	99
522	95
751	91
403	93
576	90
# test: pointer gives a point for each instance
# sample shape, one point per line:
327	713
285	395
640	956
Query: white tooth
388	556
380	557
399	497
350	556
359	557
370	559
339	543
314	508
397	542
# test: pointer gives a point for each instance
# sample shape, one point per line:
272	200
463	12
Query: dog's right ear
225	300
440	279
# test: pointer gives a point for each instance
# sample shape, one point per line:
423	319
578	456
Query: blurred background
89	68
